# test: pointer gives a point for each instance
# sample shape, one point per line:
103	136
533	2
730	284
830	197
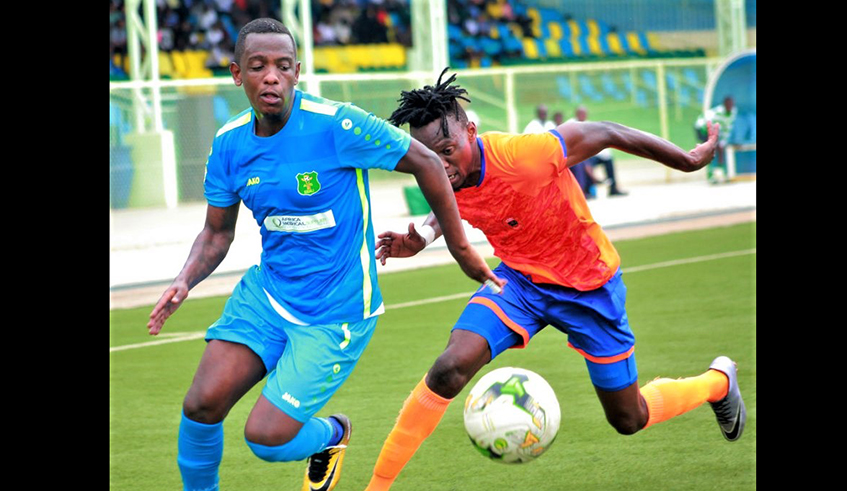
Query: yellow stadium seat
594	45
553	48
575	30
166	66
516	29
593	27
197	64
530	49
614	42
180	64
653	41
635	43
395	55
556	31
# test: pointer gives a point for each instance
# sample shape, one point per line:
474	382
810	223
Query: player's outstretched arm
209	249
586	139
432	179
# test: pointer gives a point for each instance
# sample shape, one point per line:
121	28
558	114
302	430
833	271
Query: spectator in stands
367	29
603	158
724	114
325	34
540	124
117	42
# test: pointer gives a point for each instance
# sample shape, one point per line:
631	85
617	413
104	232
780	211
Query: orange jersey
533	212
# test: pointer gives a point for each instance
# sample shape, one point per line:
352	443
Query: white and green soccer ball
512	415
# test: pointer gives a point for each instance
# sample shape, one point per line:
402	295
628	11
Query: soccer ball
512	415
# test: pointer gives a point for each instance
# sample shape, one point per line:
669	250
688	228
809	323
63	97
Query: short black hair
264	25
420	107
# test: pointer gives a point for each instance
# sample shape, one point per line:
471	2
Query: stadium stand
518	32
197	37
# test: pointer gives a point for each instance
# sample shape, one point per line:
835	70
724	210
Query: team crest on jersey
307	183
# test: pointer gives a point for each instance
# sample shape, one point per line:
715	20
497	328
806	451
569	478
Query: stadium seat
221	110
557	32
634	41
586	86
563	83
610	88
180	64
566	47
197	64
552	48
166	66
648	77
594	39
613	40
530	48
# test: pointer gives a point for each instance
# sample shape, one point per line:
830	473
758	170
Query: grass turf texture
683	316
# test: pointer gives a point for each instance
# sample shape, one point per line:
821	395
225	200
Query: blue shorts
306	364
594	321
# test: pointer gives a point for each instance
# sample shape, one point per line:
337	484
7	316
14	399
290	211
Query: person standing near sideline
540	124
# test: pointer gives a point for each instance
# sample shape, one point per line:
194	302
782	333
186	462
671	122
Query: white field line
177	337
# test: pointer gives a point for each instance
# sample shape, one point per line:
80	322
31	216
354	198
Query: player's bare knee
448	376
255	432
202	409
626	424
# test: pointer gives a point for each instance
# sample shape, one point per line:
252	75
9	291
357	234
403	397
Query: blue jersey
307	187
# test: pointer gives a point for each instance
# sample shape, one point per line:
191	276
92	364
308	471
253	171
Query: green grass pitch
684	313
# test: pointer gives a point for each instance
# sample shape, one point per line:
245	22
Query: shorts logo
347	124
512	222
291	400
307	183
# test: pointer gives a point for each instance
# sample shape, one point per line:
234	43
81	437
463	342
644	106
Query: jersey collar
481	161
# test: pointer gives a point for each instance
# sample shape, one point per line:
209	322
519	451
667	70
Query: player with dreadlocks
561	269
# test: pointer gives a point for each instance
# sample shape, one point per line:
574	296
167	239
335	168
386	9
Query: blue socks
200	449
314	437
337	432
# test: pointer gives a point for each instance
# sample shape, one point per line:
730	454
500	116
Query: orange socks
667	398
418	418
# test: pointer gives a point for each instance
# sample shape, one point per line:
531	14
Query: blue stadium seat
221	110
563	82
611	88
566	47
586	86
491	47
692	77
648	77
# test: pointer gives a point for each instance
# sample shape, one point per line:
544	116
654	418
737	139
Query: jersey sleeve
216	185
366	141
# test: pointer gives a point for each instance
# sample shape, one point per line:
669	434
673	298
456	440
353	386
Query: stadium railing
662	96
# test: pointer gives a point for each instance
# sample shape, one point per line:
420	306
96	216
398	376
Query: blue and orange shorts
595	322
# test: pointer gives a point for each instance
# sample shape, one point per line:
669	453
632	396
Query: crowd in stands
480	33
346	22
212	26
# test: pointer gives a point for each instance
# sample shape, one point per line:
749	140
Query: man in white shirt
540	124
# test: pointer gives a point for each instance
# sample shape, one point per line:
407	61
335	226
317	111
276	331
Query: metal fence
661	96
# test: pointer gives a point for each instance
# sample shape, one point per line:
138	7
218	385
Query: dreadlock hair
420	107
263	25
